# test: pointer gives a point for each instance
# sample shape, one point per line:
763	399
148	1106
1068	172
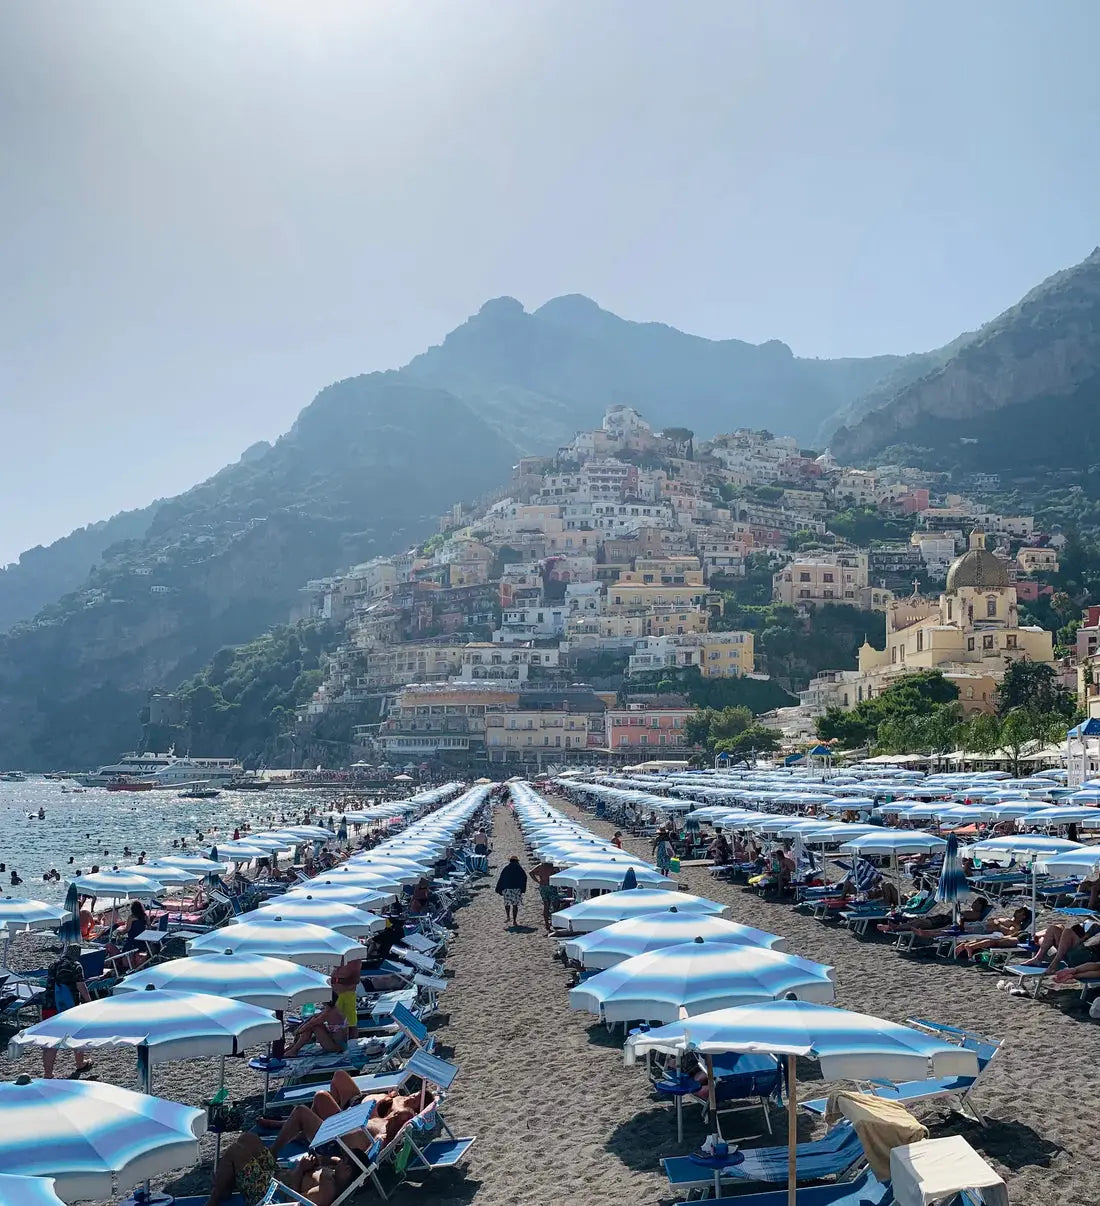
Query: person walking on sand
511	885
547	892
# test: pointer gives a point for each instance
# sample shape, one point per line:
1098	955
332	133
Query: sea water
94	826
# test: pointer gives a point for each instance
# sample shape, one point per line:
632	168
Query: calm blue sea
85	826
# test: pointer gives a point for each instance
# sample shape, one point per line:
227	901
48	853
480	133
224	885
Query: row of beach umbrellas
724	990
217	1001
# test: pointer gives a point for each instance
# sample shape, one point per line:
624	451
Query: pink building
644	728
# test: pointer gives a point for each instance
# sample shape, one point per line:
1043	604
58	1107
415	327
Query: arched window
991	606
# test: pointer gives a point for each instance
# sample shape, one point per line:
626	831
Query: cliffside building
970	634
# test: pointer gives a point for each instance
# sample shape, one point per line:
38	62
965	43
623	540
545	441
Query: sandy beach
559	1118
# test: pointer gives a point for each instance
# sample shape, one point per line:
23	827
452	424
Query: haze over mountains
142	600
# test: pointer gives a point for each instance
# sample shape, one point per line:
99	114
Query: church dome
977	568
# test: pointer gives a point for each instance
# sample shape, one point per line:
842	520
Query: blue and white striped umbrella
275	935
90	1137
254	979
604	910
190	862
894	842
1065	814
1029	846
359	896
28	1191
1083	863
851	1046
699	976
952	882
613	943
170	1025
117	885
847	1045
608	873
240	852
345	919
167	876
17	915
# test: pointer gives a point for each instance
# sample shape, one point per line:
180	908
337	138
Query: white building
541	623
584	598
485	662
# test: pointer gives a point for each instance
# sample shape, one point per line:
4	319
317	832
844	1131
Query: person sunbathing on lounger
328	1028
247	1166
1006	932
972	920
1069	944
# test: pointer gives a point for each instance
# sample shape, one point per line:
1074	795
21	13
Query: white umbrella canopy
612	944
28	1191
91	1138
272	934
117	885
359	896
189	862
170	1025
241	852
17	914
259	980
310	833
345	919
608	873
169	877
604	910
699	976
373	881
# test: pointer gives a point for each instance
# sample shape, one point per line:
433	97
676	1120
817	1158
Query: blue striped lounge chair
865	1190
834	1155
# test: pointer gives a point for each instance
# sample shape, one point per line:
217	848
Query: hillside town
560	621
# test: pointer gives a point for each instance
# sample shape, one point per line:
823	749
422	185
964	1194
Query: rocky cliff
1030	371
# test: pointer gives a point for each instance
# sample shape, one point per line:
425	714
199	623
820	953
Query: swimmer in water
15	880
71	860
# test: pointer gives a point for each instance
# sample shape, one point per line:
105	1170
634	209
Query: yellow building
511	735
971	634
716	654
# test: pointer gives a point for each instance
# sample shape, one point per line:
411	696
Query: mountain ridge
1044	349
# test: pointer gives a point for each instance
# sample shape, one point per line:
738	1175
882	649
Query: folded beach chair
833	1155
865	1190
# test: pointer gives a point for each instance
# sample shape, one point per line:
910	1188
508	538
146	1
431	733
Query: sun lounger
422	1065
865	1190
957	1088
831	1156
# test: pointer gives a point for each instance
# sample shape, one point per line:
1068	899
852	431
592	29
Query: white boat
165	770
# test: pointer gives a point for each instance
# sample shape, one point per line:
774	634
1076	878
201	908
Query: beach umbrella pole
712	1095
792	1132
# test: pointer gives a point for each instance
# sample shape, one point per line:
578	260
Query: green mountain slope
44	573
366	469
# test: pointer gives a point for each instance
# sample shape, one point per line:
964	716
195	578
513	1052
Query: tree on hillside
1035	686
913	695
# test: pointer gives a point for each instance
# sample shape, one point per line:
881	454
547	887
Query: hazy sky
212	208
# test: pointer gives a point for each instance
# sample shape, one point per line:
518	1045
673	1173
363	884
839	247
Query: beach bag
674	864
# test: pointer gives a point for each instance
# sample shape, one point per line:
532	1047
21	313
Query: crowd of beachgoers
650	942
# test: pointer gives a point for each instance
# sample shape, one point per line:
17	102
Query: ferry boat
165	770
